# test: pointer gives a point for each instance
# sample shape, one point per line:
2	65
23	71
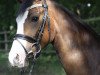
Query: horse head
33	32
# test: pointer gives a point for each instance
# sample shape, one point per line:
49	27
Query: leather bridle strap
25	37
21	45
41	28
31	40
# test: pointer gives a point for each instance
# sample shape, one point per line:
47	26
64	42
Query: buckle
45	6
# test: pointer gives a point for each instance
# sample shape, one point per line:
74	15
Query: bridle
37	39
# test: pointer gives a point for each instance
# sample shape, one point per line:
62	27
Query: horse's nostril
16	60
17	57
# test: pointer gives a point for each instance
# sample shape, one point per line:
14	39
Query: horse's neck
77	50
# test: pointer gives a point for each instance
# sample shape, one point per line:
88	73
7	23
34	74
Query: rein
37	39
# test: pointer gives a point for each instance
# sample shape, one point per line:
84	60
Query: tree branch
92	19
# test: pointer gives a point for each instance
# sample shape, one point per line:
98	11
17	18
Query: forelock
24	6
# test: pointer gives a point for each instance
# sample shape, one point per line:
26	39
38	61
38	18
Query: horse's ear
20	1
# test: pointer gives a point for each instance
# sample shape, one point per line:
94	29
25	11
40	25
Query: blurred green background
48	62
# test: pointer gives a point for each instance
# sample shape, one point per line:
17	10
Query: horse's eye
35	19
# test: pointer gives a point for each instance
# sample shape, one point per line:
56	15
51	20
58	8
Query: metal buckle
45	6
38	50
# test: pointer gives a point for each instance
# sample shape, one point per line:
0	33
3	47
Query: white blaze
17	49
20	22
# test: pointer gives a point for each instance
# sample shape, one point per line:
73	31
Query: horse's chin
20	65
25	66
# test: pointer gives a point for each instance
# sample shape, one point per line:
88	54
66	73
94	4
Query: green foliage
7	14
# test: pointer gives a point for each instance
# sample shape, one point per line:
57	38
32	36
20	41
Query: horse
40	22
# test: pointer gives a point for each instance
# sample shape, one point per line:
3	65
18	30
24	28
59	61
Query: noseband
37	39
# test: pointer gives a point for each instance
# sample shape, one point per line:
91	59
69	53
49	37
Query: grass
45	65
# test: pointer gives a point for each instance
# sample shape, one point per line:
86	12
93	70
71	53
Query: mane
77	20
